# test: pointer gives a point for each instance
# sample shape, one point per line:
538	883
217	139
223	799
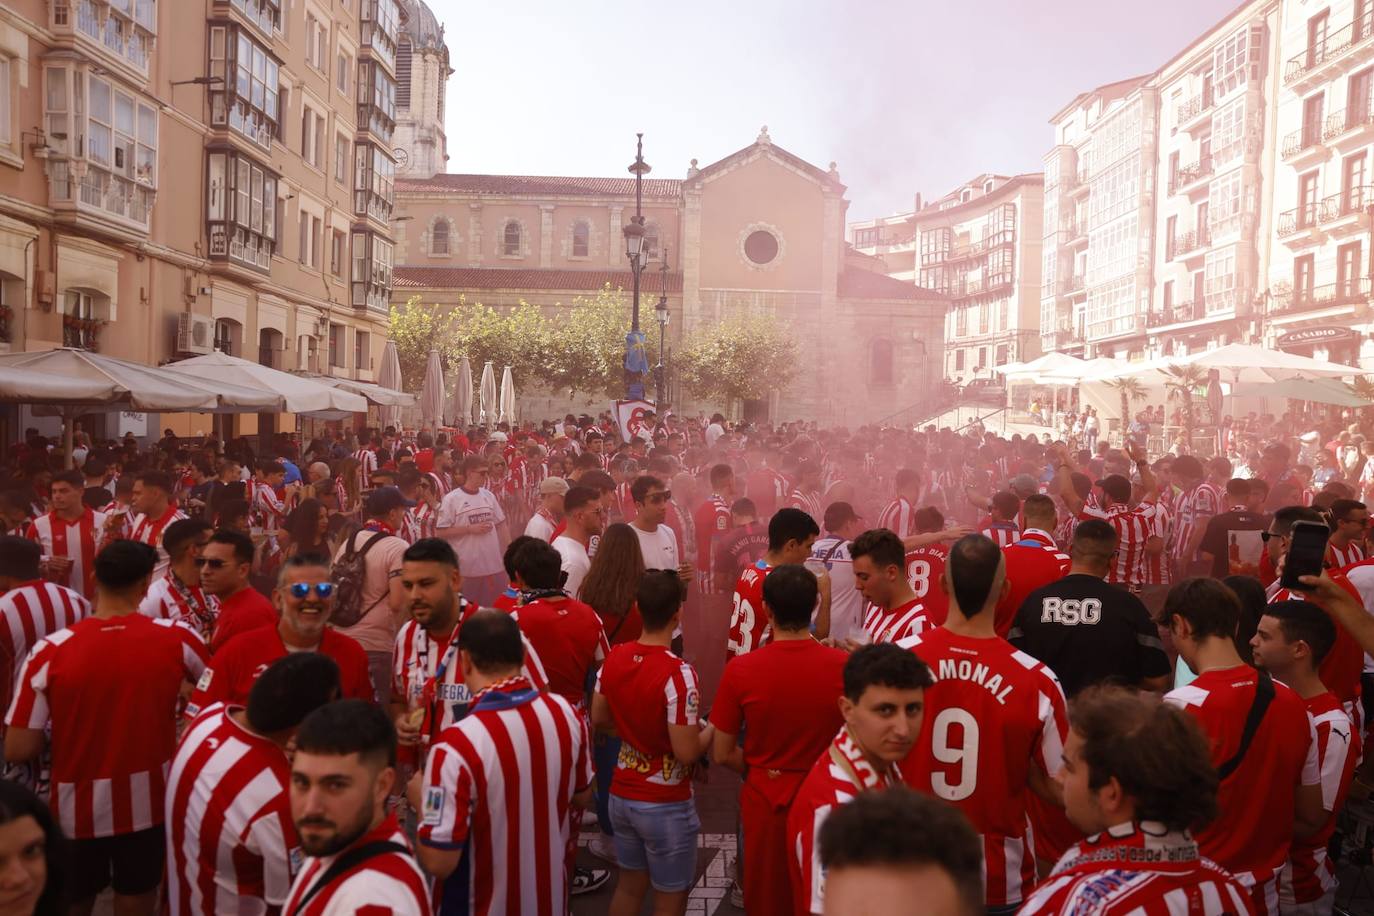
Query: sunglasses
1266	536
301	590
211	563
660	497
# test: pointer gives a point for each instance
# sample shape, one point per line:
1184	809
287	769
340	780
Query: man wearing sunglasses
657	542
225	563
305	597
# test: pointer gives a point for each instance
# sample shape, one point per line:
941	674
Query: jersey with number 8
992	714
924	567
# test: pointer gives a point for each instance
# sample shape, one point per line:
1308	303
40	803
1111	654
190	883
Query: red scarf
59	547
383	527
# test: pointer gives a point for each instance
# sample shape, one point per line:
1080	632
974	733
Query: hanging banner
632	419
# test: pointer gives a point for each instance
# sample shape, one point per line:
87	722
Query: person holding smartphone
1290	540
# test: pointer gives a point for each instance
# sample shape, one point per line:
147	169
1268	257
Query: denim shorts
658	837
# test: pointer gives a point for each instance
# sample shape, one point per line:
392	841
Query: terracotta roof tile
658	188
476	278
864	284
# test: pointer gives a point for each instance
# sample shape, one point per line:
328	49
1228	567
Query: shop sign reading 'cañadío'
1317	335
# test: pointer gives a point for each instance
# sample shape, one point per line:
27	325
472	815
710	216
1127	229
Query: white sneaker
603	847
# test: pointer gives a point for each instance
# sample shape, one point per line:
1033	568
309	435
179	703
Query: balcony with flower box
1346	213
81	333
1340	52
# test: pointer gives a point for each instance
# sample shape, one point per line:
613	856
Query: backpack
349	576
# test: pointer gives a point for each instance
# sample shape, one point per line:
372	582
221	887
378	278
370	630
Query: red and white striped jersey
30	612
899	517
503	779
109	687
425	674
992	714
79	541
1192	509
883	625
810	503
1138	869
386	884
841	773
149	531
1341	557
1309	873
1004	534
441	484
750	624
171	599
1134	526
230	838
1158	569
268	509
367	463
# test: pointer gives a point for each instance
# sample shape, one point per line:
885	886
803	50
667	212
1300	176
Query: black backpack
349	577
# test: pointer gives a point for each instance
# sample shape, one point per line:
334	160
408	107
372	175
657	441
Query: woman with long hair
346	492
33	854
307	528
612	582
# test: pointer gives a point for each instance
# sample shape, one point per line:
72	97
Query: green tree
745	356
416	329
518	338
587	344
1182	384
1130	390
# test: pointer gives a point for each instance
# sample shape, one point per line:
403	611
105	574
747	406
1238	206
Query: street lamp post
635	364
661	316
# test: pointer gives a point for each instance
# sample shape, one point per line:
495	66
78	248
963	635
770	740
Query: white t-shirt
540	527
658	546
478	554
576	563
831	554
714	432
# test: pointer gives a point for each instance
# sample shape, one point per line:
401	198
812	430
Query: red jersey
648	689
1340	670
767	488
1137	869
234	668
30	612
924	567
883	625
378	886
711	518
508	600
109	688
750	623
1134	526
622	629
840	774
230	837
899	517
568	639
1003	534
499	784
992	714
1254	828
1032	562
1309	873
242	612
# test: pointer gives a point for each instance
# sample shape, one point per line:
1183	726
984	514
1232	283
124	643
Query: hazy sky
907	96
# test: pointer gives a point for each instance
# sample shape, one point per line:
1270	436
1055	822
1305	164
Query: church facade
761	231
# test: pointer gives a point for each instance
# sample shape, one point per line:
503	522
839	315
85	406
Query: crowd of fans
404	673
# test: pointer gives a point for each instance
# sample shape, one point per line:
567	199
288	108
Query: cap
553	485
385	499
497	436
1024	485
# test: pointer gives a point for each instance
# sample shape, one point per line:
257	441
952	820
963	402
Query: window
1357	98
1303	271
337	241
341	158
247	100
510	240
224	336
312	137
362	352
1348	277
651	235
79	319
1229	60
269	345
381	19
371	277
961	321
880	362
241	208
581	239
126	28
310	226
1228	133
1353	193
761	247
1312	120
1316	38
438	237
265	14
1170	235
1219	280
376	100
374	181
958	360
865	238
935	245
118	134
338	336
316	40
1225	196
343	71
1307	199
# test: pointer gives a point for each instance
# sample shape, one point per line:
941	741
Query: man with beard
305	597
427	690
359	858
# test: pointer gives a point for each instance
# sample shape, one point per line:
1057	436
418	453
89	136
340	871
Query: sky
921	95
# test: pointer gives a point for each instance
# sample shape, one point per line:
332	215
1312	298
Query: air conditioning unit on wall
195	334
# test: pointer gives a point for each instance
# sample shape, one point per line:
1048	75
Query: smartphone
1306	551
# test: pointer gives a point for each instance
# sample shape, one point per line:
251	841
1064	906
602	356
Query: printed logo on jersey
433	809
205	678
693	702
1071	611
296	858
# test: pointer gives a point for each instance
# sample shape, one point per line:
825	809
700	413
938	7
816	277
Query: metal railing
1194	171
1291	222
1301	140
1179	312
1185	243
1334	45
1346	292
1195	106
1350	202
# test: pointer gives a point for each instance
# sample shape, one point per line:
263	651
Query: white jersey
831	554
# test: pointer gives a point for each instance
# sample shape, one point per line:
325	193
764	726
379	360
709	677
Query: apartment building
980	245
889	239
1317	302
181	177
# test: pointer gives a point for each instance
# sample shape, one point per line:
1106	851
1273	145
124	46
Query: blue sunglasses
302	589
